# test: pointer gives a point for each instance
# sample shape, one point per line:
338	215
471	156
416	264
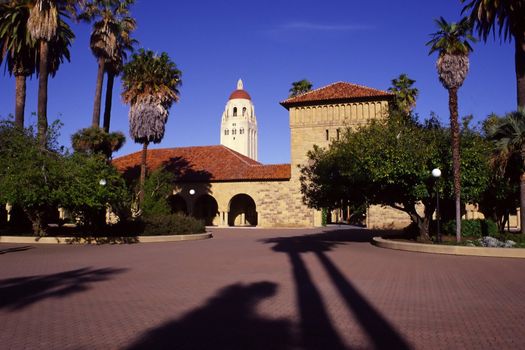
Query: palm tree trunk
43	76
522	203
20	100
109	98
95	122
454	128
142	174
519	40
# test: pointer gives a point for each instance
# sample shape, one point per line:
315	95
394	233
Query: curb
104	240
450	250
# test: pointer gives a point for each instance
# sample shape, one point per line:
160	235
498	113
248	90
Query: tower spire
240	85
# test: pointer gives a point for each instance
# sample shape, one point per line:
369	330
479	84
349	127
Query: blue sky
270	44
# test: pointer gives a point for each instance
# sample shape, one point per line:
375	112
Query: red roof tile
339	91
202	164
240	94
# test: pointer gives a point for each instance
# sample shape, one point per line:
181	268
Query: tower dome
238	124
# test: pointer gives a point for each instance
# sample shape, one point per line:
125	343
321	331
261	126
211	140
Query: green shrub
472	228
174	224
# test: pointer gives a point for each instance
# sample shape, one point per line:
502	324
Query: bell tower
238	124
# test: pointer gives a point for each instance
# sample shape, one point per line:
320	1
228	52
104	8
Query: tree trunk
109	98
20	100
454	129
519	39
522	203
142	174
43	76
95	121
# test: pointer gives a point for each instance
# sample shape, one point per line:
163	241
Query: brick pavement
257	289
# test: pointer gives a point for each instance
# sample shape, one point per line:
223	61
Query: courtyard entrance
206	209
243	211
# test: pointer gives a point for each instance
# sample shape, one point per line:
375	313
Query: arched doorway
206	209
178	204
243	211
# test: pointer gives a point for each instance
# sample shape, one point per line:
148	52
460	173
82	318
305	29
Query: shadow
15	249
226	321
181	168
18	293
317	332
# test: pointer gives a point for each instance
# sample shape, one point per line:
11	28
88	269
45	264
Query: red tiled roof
202	164
339	91
240	94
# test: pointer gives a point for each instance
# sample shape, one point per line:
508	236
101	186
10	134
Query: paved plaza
257	289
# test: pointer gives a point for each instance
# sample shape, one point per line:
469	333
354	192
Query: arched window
243	111
234	131
226	132
241	131
234	111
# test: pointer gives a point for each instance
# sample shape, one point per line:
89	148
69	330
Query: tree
300	87
115	64
509	137
404	94
452	43
106	38
42	24
389	162
18	50
508	16
95	140
42	180
150	85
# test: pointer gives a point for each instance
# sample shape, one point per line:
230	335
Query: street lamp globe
436	172
102	182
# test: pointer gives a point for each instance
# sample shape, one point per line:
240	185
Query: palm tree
300	87
104	39
405	94
509	137
150	85
18	50
452	43
95	140
21	52
42	24
115	64
509	17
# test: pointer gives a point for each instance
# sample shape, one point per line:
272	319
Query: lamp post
437	174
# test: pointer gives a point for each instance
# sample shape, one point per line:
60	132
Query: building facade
226	186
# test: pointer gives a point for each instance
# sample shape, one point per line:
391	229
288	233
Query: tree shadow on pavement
317	331
18	293
15	249
227	321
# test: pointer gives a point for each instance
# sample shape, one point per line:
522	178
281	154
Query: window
243	111
241	131
338	132
234	111
327	135
234	131
226	132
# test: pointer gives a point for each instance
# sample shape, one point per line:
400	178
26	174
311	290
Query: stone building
226	186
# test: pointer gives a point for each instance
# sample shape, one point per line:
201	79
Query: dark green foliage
96	140
174	224
472	228
389	162
157	189
300	87
41	180
83	195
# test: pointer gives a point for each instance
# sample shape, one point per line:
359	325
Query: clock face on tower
239	124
